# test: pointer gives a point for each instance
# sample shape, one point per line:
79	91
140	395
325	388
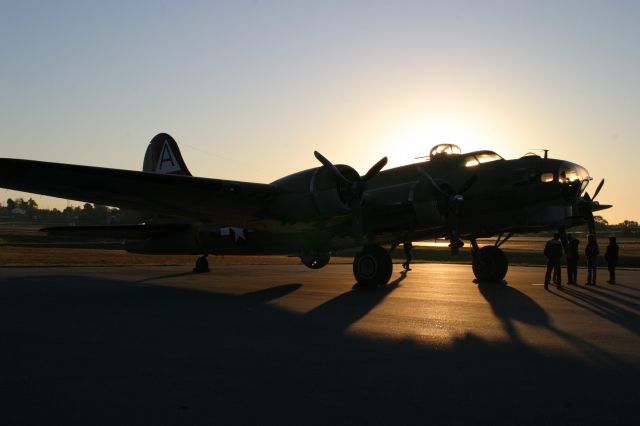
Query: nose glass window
572	173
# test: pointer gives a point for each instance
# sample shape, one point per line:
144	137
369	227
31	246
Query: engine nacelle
415	199
313	194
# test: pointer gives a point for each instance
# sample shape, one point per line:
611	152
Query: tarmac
265	344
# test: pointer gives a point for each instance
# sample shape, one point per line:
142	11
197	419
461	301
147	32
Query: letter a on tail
163	156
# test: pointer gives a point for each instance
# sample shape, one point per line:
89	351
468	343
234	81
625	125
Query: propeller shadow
509	305
348	308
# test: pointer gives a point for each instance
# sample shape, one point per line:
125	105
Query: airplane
315	213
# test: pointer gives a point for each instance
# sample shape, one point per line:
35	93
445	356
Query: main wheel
315	260
372	266
490	264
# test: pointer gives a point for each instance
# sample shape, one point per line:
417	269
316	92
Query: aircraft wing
209	200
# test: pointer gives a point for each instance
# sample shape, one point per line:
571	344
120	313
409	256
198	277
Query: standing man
591	251
572	260
553	251
408	246
611	256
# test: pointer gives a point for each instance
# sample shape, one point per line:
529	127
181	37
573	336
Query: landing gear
490	264
315	260
372	266
202	265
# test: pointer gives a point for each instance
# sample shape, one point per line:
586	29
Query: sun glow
414	138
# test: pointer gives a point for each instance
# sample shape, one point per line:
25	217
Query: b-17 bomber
321	211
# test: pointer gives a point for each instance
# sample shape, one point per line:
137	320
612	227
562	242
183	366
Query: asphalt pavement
265	344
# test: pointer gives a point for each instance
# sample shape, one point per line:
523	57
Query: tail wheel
490	264
372	266
315	260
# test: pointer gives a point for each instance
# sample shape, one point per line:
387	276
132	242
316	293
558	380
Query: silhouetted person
407	252
553	251
572	260
611	256
591	251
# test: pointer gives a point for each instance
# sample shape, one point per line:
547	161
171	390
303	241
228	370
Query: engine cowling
412	204
313	194
425	204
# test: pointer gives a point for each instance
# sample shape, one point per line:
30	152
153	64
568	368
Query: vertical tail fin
163	156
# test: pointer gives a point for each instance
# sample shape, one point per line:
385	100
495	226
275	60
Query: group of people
554	251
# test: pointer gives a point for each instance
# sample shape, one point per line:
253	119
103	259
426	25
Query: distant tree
86	214
601	223
20	202
100	213
10	205
629	224
629	227
32	205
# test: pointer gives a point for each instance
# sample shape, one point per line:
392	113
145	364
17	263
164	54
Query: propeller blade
329	165
599	207
595	194
357	188
586	196
452	223
452	203
432	182
468	184
375	169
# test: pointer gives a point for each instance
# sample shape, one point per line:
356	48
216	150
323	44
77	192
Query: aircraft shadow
80	350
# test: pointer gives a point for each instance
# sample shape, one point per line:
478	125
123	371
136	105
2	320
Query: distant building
18	211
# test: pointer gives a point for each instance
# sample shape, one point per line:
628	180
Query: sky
249	89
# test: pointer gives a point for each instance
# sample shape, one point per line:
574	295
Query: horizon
249	90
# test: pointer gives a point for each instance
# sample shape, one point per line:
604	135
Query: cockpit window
471	162
481	158
546	177
487	158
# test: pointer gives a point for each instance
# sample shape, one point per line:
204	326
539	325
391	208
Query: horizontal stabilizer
117	232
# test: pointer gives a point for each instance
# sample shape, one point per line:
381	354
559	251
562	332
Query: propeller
357	187
449	202
595	194
589	205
